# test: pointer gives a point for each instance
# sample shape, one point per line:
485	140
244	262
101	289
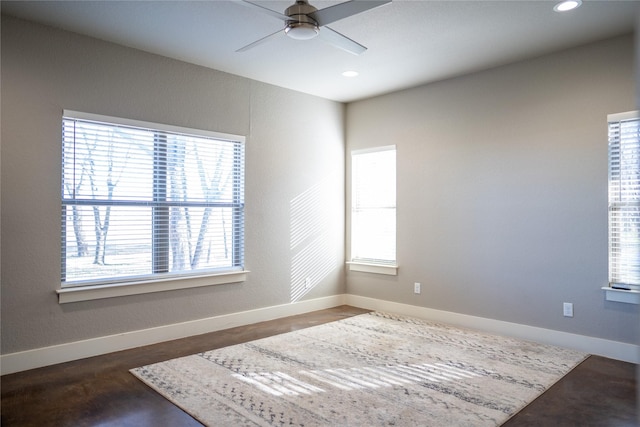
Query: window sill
390	270
88	293
621	295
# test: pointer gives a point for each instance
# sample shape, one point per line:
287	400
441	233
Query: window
142	201
624	200
373	210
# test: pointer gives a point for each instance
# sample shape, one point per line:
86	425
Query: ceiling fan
304	22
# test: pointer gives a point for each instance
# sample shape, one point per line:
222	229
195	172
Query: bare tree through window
155	201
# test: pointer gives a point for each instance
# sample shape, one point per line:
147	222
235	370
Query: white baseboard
598	346
37	358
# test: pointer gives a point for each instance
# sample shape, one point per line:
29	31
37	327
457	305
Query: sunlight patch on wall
312	264
312	236
307	216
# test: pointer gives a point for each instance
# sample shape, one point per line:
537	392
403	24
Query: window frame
368	265
619	290
157	280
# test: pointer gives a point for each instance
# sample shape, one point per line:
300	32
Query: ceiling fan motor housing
301	26
303	21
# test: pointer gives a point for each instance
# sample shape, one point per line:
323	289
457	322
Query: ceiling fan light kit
304	22
300	26
302	30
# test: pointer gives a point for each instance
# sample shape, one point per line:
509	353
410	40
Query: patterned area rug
374	369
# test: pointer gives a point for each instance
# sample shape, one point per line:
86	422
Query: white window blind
142	201
624	200
373	206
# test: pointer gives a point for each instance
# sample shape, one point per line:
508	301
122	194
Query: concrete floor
100	391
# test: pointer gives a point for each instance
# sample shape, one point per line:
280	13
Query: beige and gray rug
374	369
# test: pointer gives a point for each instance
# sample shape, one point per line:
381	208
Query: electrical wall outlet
307	283
416	288
567	309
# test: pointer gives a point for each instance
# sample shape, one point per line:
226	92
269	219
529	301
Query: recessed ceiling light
350	73
567	5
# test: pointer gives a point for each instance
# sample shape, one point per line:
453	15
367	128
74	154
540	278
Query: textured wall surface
294	161
502	190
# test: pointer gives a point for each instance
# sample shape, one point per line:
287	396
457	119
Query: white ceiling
410	42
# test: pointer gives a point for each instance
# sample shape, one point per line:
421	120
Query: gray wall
45	71
502	190
502	185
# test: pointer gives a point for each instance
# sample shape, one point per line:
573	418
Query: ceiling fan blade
263	9
341	41
262	40
343	10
